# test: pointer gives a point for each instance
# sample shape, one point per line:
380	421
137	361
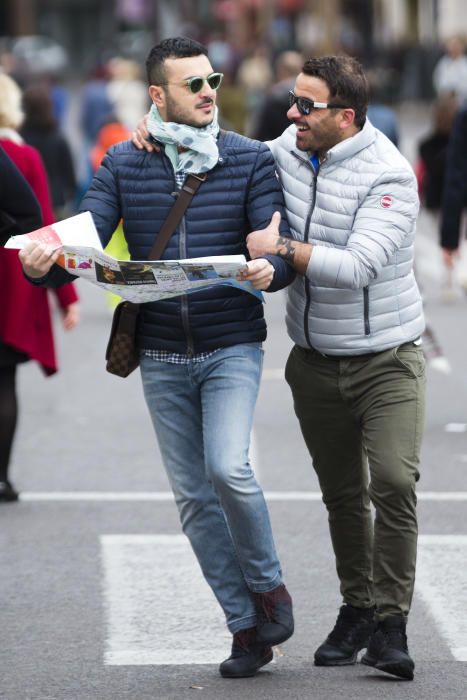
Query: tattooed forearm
285	249
295	253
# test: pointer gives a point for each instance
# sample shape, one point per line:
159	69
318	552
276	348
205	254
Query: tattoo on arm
285	248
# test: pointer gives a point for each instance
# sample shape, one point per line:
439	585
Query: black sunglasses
195	84
304	105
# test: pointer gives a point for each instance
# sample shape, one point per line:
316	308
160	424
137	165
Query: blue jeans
202	414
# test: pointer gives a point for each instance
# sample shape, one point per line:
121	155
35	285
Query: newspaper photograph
133	280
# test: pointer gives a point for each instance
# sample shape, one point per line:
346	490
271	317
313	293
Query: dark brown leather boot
248	655
274	615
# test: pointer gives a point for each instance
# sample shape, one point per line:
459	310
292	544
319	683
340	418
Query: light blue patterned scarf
202	153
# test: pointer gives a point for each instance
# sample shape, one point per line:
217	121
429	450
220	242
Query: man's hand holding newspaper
74	244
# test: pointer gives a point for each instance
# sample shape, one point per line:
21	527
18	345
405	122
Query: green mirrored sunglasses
195	84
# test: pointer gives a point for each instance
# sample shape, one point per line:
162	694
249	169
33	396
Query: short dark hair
176	47
38	108
345	79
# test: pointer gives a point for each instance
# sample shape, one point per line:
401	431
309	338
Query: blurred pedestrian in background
95	110
59	95
19	213
26	157
113	94
430	166
381	115
255	75
270	119
450	73
41	130
127	92
223	55
25	321
96	105
454	199
110	134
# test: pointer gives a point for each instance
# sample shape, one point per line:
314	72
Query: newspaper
135	280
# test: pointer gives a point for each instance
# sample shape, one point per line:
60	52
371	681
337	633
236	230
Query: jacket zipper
184	310
184	299
366	309
366	291
306	324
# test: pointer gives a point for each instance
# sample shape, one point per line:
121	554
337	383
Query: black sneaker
247	657
387	650
350	634
7	492
274	615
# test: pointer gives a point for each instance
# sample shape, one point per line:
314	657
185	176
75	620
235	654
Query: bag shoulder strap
186	194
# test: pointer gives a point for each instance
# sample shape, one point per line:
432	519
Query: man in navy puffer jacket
201	354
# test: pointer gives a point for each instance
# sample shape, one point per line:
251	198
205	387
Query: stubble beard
177	115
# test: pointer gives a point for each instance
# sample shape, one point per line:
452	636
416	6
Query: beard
321	138
180	114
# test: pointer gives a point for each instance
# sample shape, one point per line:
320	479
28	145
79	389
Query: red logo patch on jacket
386	201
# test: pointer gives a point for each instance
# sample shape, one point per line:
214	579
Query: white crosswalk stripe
442	583
159	608
442	496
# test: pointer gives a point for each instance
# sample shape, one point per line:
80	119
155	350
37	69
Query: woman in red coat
25	321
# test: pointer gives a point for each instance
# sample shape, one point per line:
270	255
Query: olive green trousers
362	420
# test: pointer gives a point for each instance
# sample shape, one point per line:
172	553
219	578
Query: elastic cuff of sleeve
36	281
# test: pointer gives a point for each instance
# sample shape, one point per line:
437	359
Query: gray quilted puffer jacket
359	211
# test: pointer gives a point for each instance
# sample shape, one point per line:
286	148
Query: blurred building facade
401	38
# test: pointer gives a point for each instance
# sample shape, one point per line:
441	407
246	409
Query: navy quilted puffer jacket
240	195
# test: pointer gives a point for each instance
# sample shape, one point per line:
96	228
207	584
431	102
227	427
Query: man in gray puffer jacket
357	370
